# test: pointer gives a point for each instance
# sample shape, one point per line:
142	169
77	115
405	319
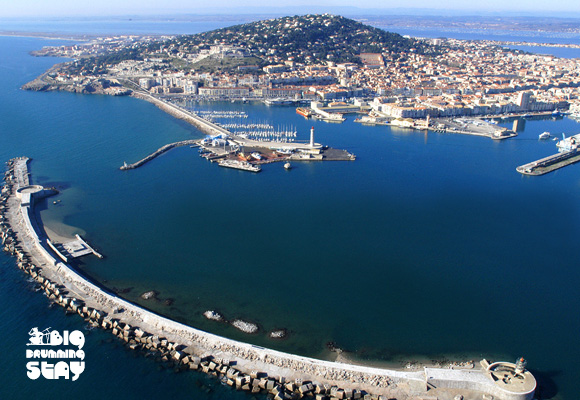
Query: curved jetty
241	365
158	152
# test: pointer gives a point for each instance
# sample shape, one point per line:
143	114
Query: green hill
308	39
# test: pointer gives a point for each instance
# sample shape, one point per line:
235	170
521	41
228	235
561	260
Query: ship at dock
329	117
568	144
305	112
243	165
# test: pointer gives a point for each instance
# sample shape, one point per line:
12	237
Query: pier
549	164
158	152
240	365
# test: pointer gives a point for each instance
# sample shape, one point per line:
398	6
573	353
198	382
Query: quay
470	126
240	365
72	249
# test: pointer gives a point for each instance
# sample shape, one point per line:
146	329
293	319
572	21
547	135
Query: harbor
415	180
244	366
245	147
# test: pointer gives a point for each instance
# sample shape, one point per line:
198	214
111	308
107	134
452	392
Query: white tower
312	137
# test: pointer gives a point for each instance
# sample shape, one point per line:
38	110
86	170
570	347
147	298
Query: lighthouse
312	137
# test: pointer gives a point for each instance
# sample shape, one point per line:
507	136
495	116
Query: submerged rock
244	326
122	290
149	295
213	315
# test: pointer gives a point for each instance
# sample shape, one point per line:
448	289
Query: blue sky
12	8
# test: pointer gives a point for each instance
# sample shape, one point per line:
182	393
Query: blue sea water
486	34
128	25
562	52
429	245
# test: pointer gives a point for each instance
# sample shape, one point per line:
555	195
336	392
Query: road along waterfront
245	366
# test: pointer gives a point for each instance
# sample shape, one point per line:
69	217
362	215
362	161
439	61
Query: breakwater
241	365
158	152
202	124
549	164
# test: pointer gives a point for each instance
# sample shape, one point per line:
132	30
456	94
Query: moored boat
243	165
544	135
305	112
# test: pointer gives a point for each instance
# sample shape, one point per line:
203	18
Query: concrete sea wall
241	365
178	112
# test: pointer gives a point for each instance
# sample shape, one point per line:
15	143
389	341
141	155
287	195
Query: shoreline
245	366
48	35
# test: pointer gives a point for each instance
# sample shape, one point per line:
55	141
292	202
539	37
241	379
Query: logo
68	367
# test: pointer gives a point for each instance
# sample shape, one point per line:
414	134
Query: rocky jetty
239	365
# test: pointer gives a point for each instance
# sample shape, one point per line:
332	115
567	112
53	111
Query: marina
229	148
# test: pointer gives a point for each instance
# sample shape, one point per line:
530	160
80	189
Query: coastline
239	364
48	35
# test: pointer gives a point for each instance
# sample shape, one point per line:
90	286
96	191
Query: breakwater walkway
158	152
203	125
240	365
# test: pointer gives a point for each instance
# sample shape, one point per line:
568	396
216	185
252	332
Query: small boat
544	135
284	151
287	165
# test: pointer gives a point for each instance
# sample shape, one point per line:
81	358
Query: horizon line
314	9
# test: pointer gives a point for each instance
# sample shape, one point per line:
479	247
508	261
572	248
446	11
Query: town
414	80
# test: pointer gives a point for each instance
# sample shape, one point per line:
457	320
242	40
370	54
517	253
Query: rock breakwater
241	365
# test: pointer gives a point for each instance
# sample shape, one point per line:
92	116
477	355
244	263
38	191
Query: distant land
385	18
350	11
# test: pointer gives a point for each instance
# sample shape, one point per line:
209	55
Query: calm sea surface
427	246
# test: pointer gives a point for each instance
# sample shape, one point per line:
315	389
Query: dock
549	164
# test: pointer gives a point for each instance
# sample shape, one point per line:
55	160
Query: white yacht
544	135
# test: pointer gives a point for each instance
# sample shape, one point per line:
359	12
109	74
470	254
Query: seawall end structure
240	365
